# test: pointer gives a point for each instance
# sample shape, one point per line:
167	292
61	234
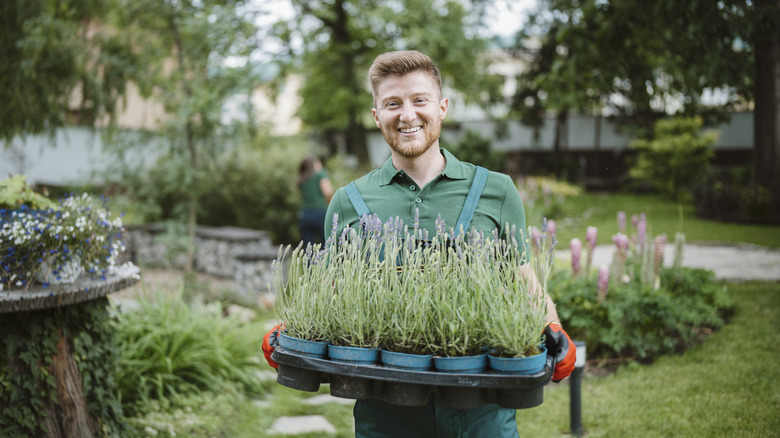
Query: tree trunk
766	116
70	418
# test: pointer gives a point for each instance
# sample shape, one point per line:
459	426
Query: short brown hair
400	63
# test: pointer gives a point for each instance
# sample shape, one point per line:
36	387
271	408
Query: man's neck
422	169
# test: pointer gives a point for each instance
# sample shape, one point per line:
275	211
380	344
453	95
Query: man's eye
392	105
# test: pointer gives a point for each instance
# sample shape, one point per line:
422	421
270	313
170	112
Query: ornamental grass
392	286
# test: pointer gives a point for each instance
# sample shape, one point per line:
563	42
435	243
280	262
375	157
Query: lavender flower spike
576	252
641	231
551	227
591	239
621	219
603	283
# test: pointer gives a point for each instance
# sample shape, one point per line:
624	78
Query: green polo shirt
389	193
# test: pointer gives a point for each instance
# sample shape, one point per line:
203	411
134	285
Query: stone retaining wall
242	254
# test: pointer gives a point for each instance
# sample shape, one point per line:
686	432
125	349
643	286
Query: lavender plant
386	285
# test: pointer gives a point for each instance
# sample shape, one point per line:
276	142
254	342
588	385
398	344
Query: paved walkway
736	262
729	262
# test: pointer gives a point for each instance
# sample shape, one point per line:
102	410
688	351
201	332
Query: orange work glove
560	346
270	341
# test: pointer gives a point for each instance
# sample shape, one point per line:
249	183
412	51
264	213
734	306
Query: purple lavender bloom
603	282
590	237
641	230
621	241
634	220
441	228
551	227
536	238
576	253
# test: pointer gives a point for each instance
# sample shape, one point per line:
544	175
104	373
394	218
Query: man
421	177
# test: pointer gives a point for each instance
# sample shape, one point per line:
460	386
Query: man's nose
407	112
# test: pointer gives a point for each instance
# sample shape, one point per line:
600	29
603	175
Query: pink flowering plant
77	236
636	307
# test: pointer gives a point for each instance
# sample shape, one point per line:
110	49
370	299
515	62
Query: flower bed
636	308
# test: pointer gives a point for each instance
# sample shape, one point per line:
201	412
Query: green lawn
600	210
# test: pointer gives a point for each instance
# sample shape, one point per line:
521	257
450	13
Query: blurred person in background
316	191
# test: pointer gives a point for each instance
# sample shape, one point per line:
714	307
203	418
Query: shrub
676	159
731	195
168	349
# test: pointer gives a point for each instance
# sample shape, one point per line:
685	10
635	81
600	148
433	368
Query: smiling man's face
409	111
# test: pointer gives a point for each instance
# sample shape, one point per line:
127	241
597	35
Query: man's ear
376	118
443	107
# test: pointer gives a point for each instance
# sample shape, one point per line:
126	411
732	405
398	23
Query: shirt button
412	187
418	200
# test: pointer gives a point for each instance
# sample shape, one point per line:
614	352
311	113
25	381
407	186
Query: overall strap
467	213
356	199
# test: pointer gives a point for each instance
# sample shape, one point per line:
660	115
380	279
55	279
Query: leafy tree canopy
60	63
637	60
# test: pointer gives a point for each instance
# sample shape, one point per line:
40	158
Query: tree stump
63	408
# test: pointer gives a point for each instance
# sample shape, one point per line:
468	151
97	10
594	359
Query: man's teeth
410	130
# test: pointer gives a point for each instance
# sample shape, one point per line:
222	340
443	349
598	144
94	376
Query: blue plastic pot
303	347
519	365
406	361
356	355
461	364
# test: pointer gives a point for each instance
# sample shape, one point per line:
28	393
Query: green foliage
15	192
196	56
677	158
731	195
637	321
475	149
58	61
586	53
203	414
28	344
169	349
544	197
255	187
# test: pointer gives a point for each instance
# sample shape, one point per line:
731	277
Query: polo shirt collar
453	169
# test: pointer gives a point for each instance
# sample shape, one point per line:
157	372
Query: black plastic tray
412	388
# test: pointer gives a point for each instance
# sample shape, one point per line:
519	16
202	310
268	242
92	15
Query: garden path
734	262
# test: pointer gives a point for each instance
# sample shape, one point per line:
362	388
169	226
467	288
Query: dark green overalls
378	419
